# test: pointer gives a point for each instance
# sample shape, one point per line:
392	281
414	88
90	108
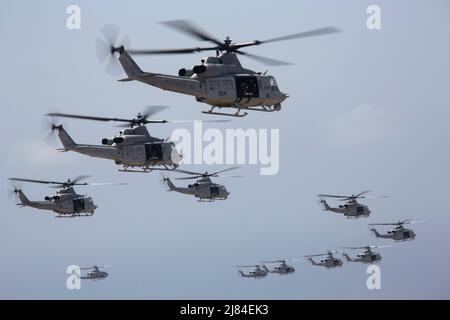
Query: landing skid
238	114
210	199
147	169
75	215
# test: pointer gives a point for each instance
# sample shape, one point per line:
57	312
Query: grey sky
367	110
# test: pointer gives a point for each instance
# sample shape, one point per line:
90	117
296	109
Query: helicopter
203	188
329	262
350	209
65	202
283	268
399	233
219	81
132	146
259	272
96	274
368	256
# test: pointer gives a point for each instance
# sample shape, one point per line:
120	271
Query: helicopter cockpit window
273	83
213	60
247	87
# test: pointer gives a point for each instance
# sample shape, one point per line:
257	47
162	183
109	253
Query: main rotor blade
84	117
188	178
332	196
384	224
189	28
172	121
102	184
189	172
152	110
106	266
374	197
171	51
254	266
78	178
264	60
360	194
225	170
316	255
221	176
208	121
36	181
304	34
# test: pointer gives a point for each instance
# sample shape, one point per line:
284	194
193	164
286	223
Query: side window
214	85
227	84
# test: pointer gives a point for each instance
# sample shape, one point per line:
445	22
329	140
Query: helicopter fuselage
204	189
258	273
95	275
328	263
133	147
65	202
219	81
397	234
350	209
366	257
283	269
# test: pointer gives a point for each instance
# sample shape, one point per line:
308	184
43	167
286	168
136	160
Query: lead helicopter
258	273
329	262
203	189
96	274
131	147
283	268
219	81
398	233
65	202
351	208
368	255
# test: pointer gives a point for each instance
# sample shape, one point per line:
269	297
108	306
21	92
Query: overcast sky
368	110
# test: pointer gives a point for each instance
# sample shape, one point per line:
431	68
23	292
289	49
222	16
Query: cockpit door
247	87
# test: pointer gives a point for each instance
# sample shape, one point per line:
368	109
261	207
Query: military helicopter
203	188
329	262
283	268
259	272
96	274
219	81
351	209
65	202
132	146
368	256
399	233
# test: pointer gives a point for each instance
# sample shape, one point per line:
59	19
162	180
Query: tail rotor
13	191
50	128
107	45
